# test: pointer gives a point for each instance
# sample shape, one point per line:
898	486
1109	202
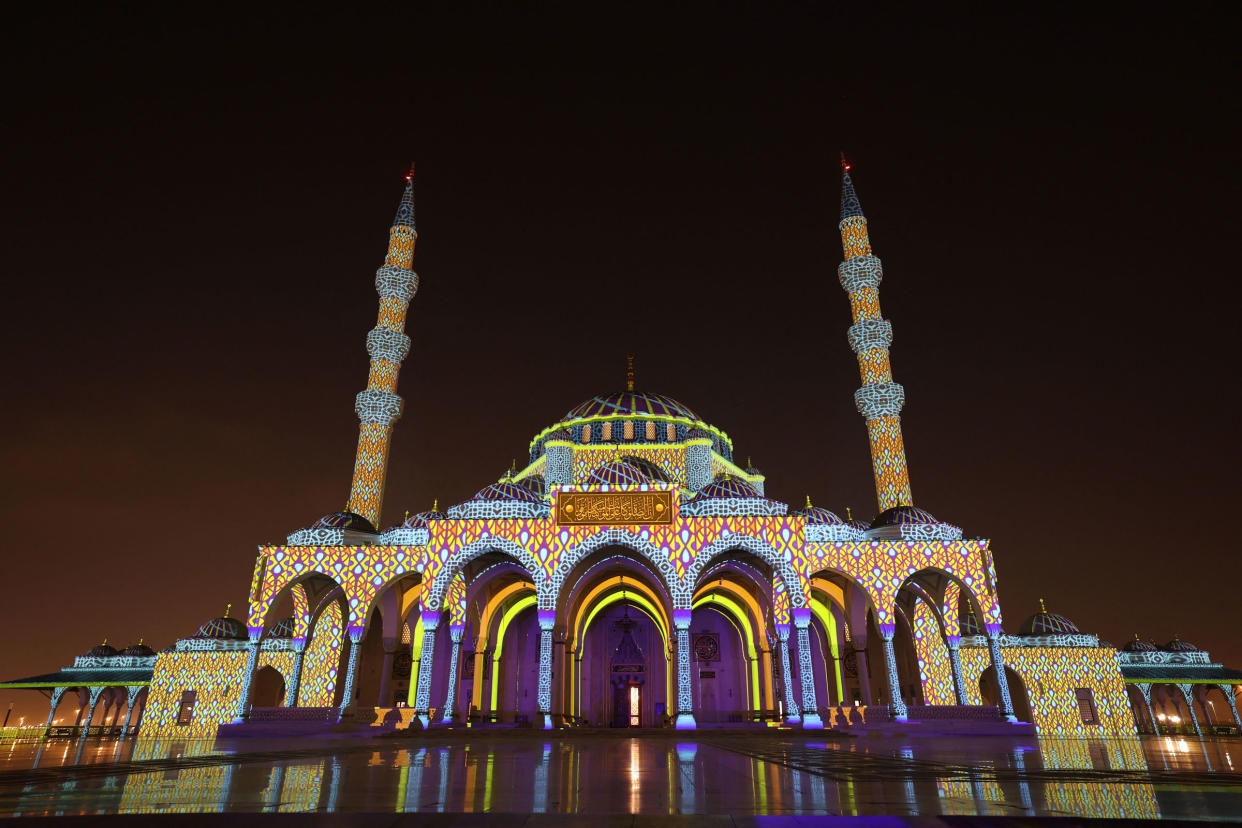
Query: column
129	712
810	708
243	695
1145	692
384	697
95	692
685	697
57	692
955	661
422	696
450	696
1227	689
1190	705
1002	680
295	677
351	672
793	714
896	703
547	620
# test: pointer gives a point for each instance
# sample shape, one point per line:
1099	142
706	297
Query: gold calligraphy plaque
653	508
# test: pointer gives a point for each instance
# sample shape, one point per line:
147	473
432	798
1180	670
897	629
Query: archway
621	670
990	694
267	688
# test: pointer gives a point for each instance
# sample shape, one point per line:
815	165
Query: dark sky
193	211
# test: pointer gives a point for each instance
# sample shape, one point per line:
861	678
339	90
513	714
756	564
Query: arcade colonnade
733	629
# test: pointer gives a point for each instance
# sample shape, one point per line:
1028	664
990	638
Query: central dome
630	404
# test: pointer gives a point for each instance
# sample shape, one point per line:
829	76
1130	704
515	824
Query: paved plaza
515	777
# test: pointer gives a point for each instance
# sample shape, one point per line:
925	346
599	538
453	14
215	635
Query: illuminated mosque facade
634	574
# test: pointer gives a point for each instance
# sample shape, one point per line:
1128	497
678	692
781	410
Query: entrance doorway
627	704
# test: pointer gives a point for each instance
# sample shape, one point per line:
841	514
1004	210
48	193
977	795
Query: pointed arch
796	585
434	597
635	542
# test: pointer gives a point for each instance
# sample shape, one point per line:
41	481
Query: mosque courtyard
720	777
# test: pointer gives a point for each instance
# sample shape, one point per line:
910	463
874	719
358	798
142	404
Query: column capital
681	618
801	617
456	632
431	619
547	619
782	632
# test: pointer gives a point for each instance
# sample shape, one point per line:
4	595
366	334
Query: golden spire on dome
629	373
1042	606
808	502
228	610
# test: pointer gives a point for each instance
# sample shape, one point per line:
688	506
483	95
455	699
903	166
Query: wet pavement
738	773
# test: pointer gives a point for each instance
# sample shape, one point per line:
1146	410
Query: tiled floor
735	777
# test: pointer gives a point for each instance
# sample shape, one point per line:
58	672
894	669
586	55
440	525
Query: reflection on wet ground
737	773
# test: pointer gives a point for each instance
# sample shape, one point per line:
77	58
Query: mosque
634	574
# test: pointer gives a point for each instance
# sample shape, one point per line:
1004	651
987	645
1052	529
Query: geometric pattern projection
935	671
322	658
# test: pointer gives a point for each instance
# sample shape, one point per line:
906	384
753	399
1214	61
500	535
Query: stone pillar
896	703
351	672
1145	692
132	694
1190	705
243	695
793	714
384	697
295	677
94	692
422	696
57	692
547	620
1002	680
450	695
864	676
1227	689
955	661
810	708
685	696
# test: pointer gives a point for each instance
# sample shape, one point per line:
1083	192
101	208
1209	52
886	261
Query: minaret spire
378	407
879	399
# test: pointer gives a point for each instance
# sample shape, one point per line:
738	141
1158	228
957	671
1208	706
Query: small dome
1048	623
814	515
969	624
419	521
619	473
104	650
507	490
1179	646
284	628
224	628
535	483
138	650
1138	645
728	487
860	525
630	404
902	516
344	520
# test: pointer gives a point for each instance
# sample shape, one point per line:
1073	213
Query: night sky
193	211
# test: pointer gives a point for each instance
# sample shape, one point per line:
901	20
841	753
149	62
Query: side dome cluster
911	523
823	526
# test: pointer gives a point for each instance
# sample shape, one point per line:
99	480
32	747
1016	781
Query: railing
939	712
94	731
292	714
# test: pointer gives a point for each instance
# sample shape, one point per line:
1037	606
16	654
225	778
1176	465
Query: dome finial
140	641
848	514
1042	606
808	502
407	514
629	372
435	504
228	611
104	642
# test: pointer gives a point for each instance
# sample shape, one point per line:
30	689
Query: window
628	430
651	432
586	434
605	432
185	712
1086	705
672	433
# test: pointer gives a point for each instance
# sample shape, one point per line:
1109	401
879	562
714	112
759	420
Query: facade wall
216	679
1051	676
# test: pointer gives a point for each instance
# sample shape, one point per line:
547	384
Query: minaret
378	407
879	399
